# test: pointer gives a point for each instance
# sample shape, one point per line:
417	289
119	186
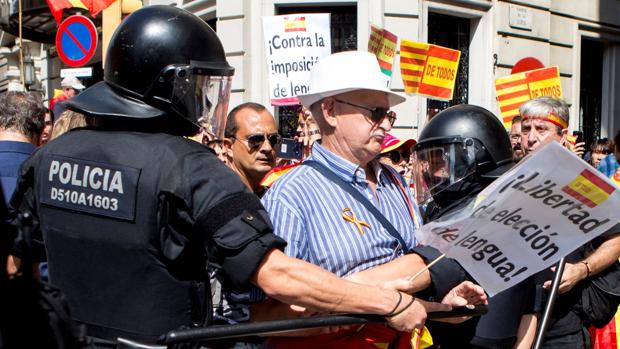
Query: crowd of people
152	208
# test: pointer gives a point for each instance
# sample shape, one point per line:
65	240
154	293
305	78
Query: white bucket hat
344	72
73	82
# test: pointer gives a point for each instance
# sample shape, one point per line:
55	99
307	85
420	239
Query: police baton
211	333
555	288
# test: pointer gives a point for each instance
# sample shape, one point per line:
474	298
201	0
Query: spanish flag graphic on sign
589	189
294	24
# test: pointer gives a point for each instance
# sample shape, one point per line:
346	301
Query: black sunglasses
376	114
397	156
255	141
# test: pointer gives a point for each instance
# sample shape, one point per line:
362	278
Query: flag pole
555	287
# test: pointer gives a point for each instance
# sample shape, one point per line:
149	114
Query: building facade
581	37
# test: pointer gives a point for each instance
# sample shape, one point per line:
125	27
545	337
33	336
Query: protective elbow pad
445	274
241	235
236	221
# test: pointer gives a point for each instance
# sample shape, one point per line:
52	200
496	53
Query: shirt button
249	217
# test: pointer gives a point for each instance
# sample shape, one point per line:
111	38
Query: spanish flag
276	173
412	60
93	6
589	189
382	44
294	24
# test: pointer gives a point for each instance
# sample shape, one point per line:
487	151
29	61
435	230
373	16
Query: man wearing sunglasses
251	140
313	206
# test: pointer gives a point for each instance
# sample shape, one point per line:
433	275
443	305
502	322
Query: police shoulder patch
89	186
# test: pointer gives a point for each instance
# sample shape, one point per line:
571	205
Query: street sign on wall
76	40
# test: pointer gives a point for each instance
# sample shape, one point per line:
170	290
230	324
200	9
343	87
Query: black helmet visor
196	94
438	164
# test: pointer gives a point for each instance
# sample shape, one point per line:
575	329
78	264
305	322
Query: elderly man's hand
414	316
466	293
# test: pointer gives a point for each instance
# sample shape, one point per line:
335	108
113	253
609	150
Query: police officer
132	214
459	152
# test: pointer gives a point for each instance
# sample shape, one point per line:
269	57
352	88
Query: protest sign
428	69
382	44
293	44
529	218
514	90
412	59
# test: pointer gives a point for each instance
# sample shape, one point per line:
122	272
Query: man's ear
228	143
328	107
564	134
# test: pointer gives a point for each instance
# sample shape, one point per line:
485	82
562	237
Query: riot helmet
464	143
163	61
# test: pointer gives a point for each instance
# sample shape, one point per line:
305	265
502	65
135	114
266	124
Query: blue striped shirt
306	210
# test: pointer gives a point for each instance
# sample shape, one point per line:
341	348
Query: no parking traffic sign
76	40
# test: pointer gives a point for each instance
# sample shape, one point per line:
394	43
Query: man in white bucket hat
315	209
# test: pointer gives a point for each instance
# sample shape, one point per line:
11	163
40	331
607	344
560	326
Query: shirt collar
342	167
17	147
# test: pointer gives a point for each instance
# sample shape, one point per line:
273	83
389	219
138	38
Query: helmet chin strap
456	191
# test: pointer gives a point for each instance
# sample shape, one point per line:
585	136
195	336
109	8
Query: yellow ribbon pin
349	216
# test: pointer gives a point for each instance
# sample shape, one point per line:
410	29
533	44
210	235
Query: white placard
544	208
77	72
293	44
520	17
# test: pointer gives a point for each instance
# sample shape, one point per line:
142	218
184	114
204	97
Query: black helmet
162	61
461	143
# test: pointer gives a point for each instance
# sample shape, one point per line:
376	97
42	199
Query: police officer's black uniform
132	213
476	150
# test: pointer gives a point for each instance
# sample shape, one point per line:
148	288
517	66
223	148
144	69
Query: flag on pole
514	90
412	59
93	6
382	43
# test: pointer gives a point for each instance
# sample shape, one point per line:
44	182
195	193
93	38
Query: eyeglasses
376	114
256	141
397	156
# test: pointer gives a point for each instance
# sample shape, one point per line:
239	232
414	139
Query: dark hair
516	119
603	145
231	121
617	141
22	112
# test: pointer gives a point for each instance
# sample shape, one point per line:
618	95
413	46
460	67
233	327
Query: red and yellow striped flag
440	72
93	6
294	24
514	90
589	189
412	60
382	44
